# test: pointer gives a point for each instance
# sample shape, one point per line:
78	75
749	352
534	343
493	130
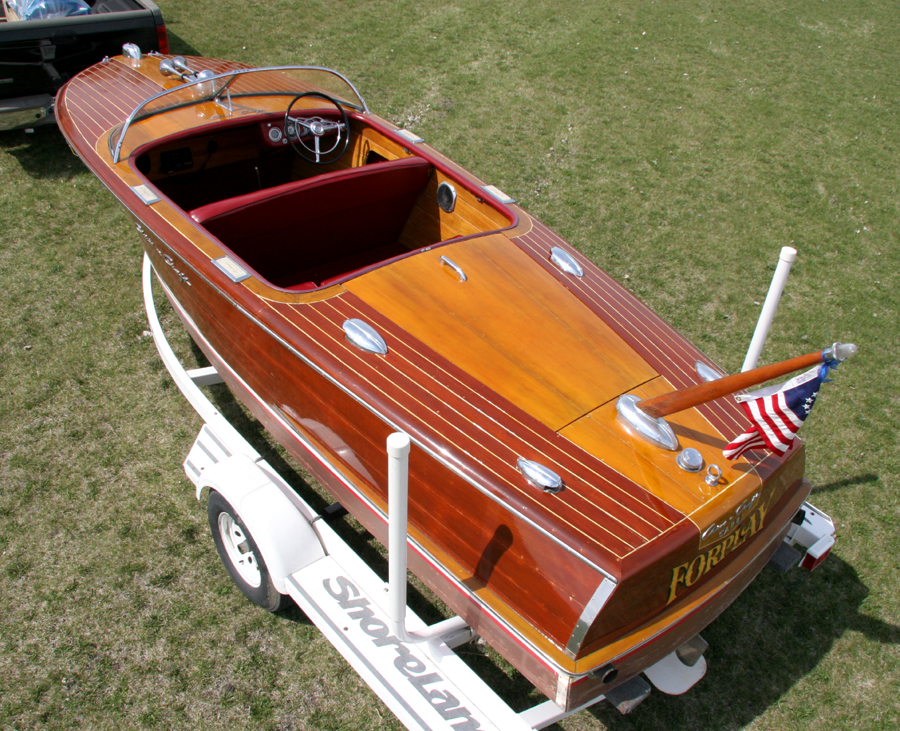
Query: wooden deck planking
436	388
662	346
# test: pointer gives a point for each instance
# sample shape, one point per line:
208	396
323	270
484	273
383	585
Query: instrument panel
273	133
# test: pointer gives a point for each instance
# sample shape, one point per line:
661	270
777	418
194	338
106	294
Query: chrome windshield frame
231	77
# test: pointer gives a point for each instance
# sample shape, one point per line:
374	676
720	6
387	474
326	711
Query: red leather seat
318	228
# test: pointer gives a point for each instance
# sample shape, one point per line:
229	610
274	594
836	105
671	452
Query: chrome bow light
839	352
132	53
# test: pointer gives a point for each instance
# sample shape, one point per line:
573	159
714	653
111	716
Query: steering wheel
298	128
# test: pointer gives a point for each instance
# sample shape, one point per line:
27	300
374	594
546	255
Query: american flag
777	412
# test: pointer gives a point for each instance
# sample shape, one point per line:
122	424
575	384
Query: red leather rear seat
302	230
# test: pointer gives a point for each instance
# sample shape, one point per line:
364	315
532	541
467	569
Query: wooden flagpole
686	398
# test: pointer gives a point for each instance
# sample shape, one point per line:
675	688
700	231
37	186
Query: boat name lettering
165	257
724	527
357	607
687	574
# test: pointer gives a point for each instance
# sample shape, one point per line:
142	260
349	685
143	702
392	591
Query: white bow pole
788	254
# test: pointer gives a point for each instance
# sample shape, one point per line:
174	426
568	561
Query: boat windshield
229	94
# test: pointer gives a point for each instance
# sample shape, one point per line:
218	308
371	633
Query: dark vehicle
38	54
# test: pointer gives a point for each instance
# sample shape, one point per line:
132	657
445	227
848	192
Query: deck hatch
587	366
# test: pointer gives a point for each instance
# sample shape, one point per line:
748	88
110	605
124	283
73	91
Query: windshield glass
228	95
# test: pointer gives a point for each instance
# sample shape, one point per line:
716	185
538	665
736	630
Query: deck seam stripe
569	489
550	446
493	497
597	292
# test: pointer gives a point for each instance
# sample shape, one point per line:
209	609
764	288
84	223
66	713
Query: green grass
680	145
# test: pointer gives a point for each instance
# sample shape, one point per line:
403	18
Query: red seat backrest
310	222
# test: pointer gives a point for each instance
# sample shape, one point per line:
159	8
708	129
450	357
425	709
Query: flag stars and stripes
776	413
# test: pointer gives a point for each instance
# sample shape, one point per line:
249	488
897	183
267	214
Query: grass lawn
680	145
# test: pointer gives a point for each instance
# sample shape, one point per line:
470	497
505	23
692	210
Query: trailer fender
285	538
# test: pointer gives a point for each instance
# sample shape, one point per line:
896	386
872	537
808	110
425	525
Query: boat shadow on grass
778	632
179	46
43	154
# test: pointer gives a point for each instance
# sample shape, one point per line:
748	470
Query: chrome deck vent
652	429
132	52
707	373
566	262
540	476
364	336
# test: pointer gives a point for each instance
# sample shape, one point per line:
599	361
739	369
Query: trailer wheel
241	557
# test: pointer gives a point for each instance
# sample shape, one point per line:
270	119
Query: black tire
241	557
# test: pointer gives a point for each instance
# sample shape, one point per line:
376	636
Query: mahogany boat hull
579	588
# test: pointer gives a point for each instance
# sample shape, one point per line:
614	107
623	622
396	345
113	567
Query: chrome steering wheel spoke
318	128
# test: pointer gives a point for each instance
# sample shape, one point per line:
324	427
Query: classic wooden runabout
368	285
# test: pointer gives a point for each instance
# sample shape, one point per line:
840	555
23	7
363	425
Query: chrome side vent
540	476
566	262
707	373
364	336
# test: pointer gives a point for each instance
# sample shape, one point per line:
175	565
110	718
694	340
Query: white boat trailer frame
410	666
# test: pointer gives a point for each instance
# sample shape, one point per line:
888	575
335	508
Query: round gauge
291	129
275	134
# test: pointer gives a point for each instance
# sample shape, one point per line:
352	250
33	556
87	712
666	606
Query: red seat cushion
299	230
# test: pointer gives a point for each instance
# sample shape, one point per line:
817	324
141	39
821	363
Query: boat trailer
412	667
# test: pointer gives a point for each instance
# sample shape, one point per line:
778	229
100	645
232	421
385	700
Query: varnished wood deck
473	395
